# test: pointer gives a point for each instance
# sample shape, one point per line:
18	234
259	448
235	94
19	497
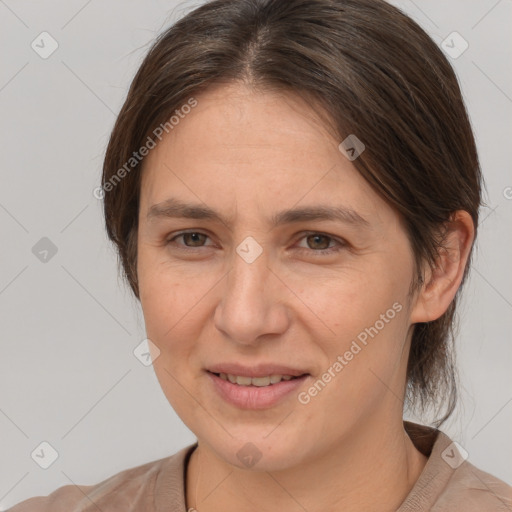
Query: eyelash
322	252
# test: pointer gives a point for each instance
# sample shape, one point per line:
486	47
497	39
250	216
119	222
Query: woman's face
269	282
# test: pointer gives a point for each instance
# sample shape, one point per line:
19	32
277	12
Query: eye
319	243
195	238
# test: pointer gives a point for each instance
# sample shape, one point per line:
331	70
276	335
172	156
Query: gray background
69	326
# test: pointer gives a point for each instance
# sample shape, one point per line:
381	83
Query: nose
252	303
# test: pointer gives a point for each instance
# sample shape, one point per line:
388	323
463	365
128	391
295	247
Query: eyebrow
174	208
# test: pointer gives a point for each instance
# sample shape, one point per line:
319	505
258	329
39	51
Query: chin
259	451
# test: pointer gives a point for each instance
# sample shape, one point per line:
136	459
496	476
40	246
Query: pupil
194	236
316	237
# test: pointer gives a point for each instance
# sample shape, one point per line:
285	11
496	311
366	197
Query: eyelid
181	233
342	244
338	239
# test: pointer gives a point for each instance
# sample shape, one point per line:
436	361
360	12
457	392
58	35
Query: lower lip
254	397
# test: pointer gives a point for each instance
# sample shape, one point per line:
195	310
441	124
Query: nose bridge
247	308
246	281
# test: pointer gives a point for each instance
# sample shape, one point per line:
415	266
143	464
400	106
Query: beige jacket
447	484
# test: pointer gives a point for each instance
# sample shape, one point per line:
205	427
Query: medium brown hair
374	72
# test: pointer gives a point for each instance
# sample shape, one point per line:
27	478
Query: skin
248	155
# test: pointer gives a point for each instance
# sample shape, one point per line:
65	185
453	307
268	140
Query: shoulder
136	488
449	481
474	490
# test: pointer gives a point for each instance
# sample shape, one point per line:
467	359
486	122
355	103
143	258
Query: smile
255	393
254	381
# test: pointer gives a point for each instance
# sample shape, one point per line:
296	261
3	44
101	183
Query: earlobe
442	281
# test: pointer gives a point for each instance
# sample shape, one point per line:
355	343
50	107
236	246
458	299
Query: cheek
171	323
360	375
160	302
342	304
175	305
163	300
162	290
366	313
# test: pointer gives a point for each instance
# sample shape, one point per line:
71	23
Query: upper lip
260	370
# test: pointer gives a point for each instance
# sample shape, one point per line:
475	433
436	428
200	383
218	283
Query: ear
441	283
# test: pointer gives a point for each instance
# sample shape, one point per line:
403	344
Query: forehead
238	147
233	118
233	121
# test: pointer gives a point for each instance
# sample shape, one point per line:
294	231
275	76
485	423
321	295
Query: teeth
244	381
254	381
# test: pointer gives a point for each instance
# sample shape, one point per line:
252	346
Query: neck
371	469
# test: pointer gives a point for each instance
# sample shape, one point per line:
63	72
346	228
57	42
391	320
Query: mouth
256	388
260	382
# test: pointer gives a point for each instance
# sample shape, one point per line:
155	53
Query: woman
253	131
